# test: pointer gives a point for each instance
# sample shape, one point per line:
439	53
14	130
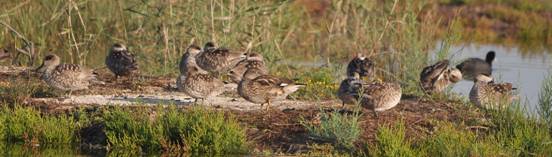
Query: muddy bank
278	129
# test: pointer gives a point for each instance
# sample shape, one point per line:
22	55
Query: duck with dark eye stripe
120	61
66	77
472	67
260	88
218	60
435	78
487	94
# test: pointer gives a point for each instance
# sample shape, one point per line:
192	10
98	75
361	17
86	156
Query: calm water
525	70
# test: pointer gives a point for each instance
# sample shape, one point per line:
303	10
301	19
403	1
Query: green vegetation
340	129
545	102
391	141
28	126
197	130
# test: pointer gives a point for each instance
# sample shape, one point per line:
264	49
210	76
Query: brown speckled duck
380	97
376	97
218	60
199	85
66	77
253	60
263	89
188	59
120	61
435	78
489	95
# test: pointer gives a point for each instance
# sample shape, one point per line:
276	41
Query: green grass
391	141
197	131
27	125
545	102
342	130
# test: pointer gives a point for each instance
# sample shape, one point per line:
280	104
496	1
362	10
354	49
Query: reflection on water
525	71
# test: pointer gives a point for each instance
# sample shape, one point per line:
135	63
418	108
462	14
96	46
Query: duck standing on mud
435	78
260	88
120	61
375	96
472	67
66	77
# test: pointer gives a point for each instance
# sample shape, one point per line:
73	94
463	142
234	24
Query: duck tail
292	88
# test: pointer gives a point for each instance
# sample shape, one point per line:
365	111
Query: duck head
490	57
118	48
193	49
49	63
361	65
455	75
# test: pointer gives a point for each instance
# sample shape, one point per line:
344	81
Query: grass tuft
340	129
198	131
391	141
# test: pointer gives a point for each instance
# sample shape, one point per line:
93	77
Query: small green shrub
27	125
518	134
21	124
58	129
198	130
451	141
340	129
131	130
208	131
391	141
545	101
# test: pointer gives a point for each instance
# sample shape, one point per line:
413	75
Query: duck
487	94
264	89
66	77
188	59
218	60
199	85
361	65
349	90
120	61
375	96
472	67
435	78
380	96
253	60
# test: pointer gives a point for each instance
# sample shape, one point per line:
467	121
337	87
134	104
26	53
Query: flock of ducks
202	68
